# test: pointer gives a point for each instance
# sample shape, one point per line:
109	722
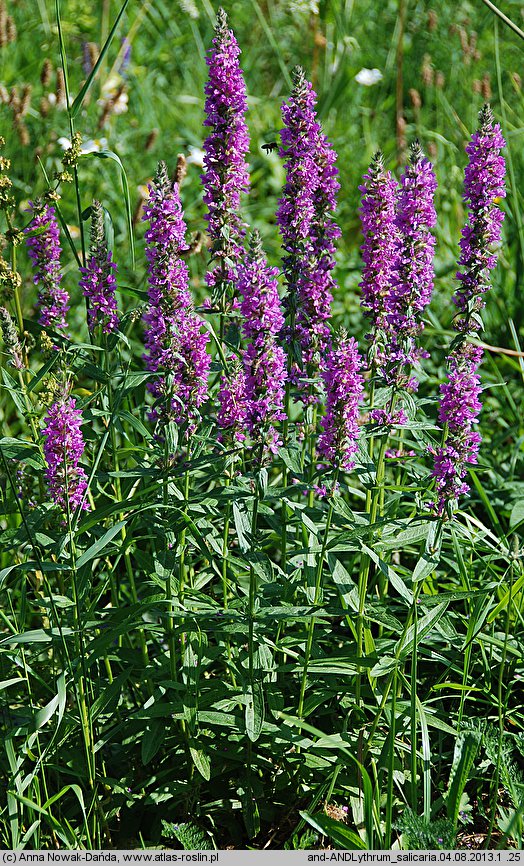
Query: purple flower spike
306	223
379	254
44	251
483	185
459	410
98	281
63	450
344	387
264	360
416	216
460	404
173	338
226	173
233	405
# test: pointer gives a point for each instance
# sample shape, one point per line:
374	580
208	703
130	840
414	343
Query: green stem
316	600
171	642
123	533
285	479
392	678
391	764
183	571
83	704
252	588
413	704
503	694
365	564
225	581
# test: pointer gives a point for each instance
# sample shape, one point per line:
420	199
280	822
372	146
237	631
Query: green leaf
517	514
25	452
431	556
339	666
339	834
262	565
421	629
503	603
394	578
100	545
411	535
250	811
37	636
465	752
254	711
200	760
291	458
242	524
345	585
190	836
384	666
110	154
42	716
152	740
6	683
77	104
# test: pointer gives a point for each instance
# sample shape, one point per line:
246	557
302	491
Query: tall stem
365	564
169	589
83	705
118	492
253	584
316	600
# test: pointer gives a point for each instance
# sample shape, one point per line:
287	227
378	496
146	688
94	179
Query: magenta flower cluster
175	344
98	281
398	255
344	386
226	174
414	273
483	185
306	223
398	219
252	400
458	411
460	404
63	450
44	251
232	412
379	252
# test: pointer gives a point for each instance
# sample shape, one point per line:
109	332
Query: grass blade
77	104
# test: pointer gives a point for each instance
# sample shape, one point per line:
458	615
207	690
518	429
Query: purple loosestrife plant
98	281
233	406
264	360
459	410
63	450
414	277
307	227
315	307
226	174
173	339
344	386
483	184
44	251
379	254
460	404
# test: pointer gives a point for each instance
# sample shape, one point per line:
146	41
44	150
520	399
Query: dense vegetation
246	596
